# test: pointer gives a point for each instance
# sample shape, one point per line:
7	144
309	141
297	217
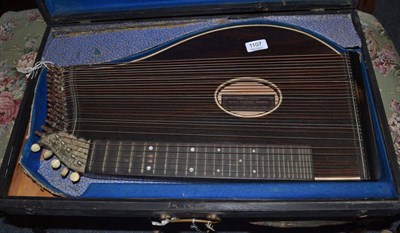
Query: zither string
168	75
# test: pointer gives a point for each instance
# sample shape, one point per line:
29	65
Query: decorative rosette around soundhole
248	97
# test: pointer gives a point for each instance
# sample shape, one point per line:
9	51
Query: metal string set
153	99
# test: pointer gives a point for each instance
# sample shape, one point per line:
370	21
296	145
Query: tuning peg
47	129
35	147
38	133
55	164
74	177
64	172
48	154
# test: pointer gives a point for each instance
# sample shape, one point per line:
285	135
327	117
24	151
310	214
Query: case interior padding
67	7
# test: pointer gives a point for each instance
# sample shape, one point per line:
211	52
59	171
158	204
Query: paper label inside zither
74	11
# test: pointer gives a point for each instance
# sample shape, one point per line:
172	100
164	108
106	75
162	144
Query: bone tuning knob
48	154
74	177
55	164
64	172
35	147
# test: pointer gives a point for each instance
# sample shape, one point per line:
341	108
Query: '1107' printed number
256	45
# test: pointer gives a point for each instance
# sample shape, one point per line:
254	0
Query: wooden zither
243	102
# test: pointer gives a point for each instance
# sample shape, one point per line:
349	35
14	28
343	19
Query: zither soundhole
248	97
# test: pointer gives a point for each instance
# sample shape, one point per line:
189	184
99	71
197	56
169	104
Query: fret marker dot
148	168
254	171
191	169
254	151
192	149
240	160
219	149
151	147
218	170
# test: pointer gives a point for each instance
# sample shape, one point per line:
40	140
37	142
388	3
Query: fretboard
221	161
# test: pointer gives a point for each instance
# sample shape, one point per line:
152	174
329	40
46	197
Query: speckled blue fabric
99	43
68	188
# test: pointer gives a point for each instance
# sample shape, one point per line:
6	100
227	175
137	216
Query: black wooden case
16	200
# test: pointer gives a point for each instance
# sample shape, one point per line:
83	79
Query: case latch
196	223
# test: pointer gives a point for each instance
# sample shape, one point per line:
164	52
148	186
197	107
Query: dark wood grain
366	6
231	43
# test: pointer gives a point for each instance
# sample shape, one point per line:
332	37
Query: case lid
70	11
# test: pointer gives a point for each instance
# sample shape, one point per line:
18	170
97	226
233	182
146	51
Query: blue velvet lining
68	7
30	161
41	171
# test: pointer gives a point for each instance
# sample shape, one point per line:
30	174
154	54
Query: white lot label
256	45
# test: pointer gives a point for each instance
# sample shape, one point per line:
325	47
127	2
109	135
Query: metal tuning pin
70	151
64	172
48	154
35	147
38	133
55	164
74	177
47	129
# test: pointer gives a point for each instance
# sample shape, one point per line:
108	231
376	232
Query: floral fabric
386	63
20	37
21	33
